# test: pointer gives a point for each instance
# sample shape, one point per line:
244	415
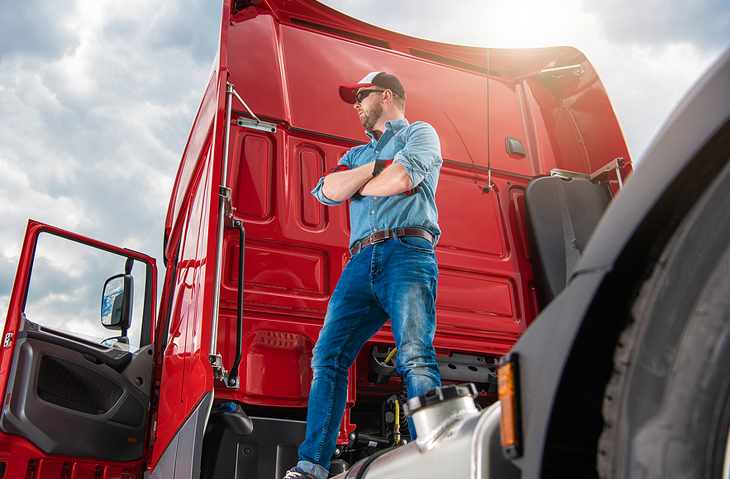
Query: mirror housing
116	302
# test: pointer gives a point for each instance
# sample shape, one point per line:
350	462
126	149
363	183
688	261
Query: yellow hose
390	355
396	435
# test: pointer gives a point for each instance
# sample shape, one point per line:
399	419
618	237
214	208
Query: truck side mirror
116	302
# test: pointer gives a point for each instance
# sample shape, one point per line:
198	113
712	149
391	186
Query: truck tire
666	408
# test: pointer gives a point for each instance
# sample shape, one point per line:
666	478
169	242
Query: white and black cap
381	79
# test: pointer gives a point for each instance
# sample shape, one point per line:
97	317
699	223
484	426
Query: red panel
186	373
311	169
477	294
253	175
253	62
454	102
601	134
279	269
23	460
276	364
469	218
306	159
555	131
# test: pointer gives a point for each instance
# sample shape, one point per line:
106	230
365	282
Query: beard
371	116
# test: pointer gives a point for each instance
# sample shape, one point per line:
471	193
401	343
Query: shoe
296	473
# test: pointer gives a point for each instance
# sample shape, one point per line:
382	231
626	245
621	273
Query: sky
97	97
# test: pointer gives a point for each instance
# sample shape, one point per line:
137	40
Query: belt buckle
380	236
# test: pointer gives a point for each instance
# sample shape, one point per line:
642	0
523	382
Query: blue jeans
393	280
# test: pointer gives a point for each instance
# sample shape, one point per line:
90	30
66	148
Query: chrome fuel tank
455	440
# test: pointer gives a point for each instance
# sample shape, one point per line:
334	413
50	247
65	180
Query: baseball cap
381	79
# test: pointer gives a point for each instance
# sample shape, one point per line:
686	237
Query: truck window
65	291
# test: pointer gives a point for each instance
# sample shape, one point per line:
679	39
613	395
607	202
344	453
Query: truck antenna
489	156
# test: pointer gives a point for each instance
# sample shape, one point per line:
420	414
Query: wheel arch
691	149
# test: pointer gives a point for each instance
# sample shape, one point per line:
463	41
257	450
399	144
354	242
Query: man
390	182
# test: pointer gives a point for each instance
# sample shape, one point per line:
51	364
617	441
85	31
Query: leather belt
385	235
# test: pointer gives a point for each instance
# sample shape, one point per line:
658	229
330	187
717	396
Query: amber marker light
509	420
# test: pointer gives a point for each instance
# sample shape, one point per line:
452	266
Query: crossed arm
342	185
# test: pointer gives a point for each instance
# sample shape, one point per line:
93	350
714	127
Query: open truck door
77	357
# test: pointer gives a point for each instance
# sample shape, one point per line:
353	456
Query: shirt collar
393	125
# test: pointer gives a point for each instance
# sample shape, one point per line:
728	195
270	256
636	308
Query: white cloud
91	130
646	83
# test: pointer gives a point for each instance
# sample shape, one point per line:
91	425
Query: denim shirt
418	149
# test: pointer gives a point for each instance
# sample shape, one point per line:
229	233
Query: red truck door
77	356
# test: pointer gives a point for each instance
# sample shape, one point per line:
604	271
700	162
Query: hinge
8	340
220	373
615	165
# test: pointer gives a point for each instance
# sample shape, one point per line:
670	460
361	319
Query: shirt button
374	229
373	212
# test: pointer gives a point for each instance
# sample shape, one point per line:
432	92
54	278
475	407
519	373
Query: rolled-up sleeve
421	153
317	191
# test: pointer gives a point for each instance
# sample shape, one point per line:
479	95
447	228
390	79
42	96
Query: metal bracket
8	340
226	195
457	367
615	165
576	70
220	373
559	72
256	124
566	174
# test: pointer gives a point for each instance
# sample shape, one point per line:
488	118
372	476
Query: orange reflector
509	420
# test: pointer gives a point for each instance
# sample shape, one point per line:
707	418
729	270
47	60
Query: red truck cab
216	378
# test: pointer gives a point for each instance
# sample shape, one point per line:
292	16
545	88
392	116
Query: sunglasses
362	94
